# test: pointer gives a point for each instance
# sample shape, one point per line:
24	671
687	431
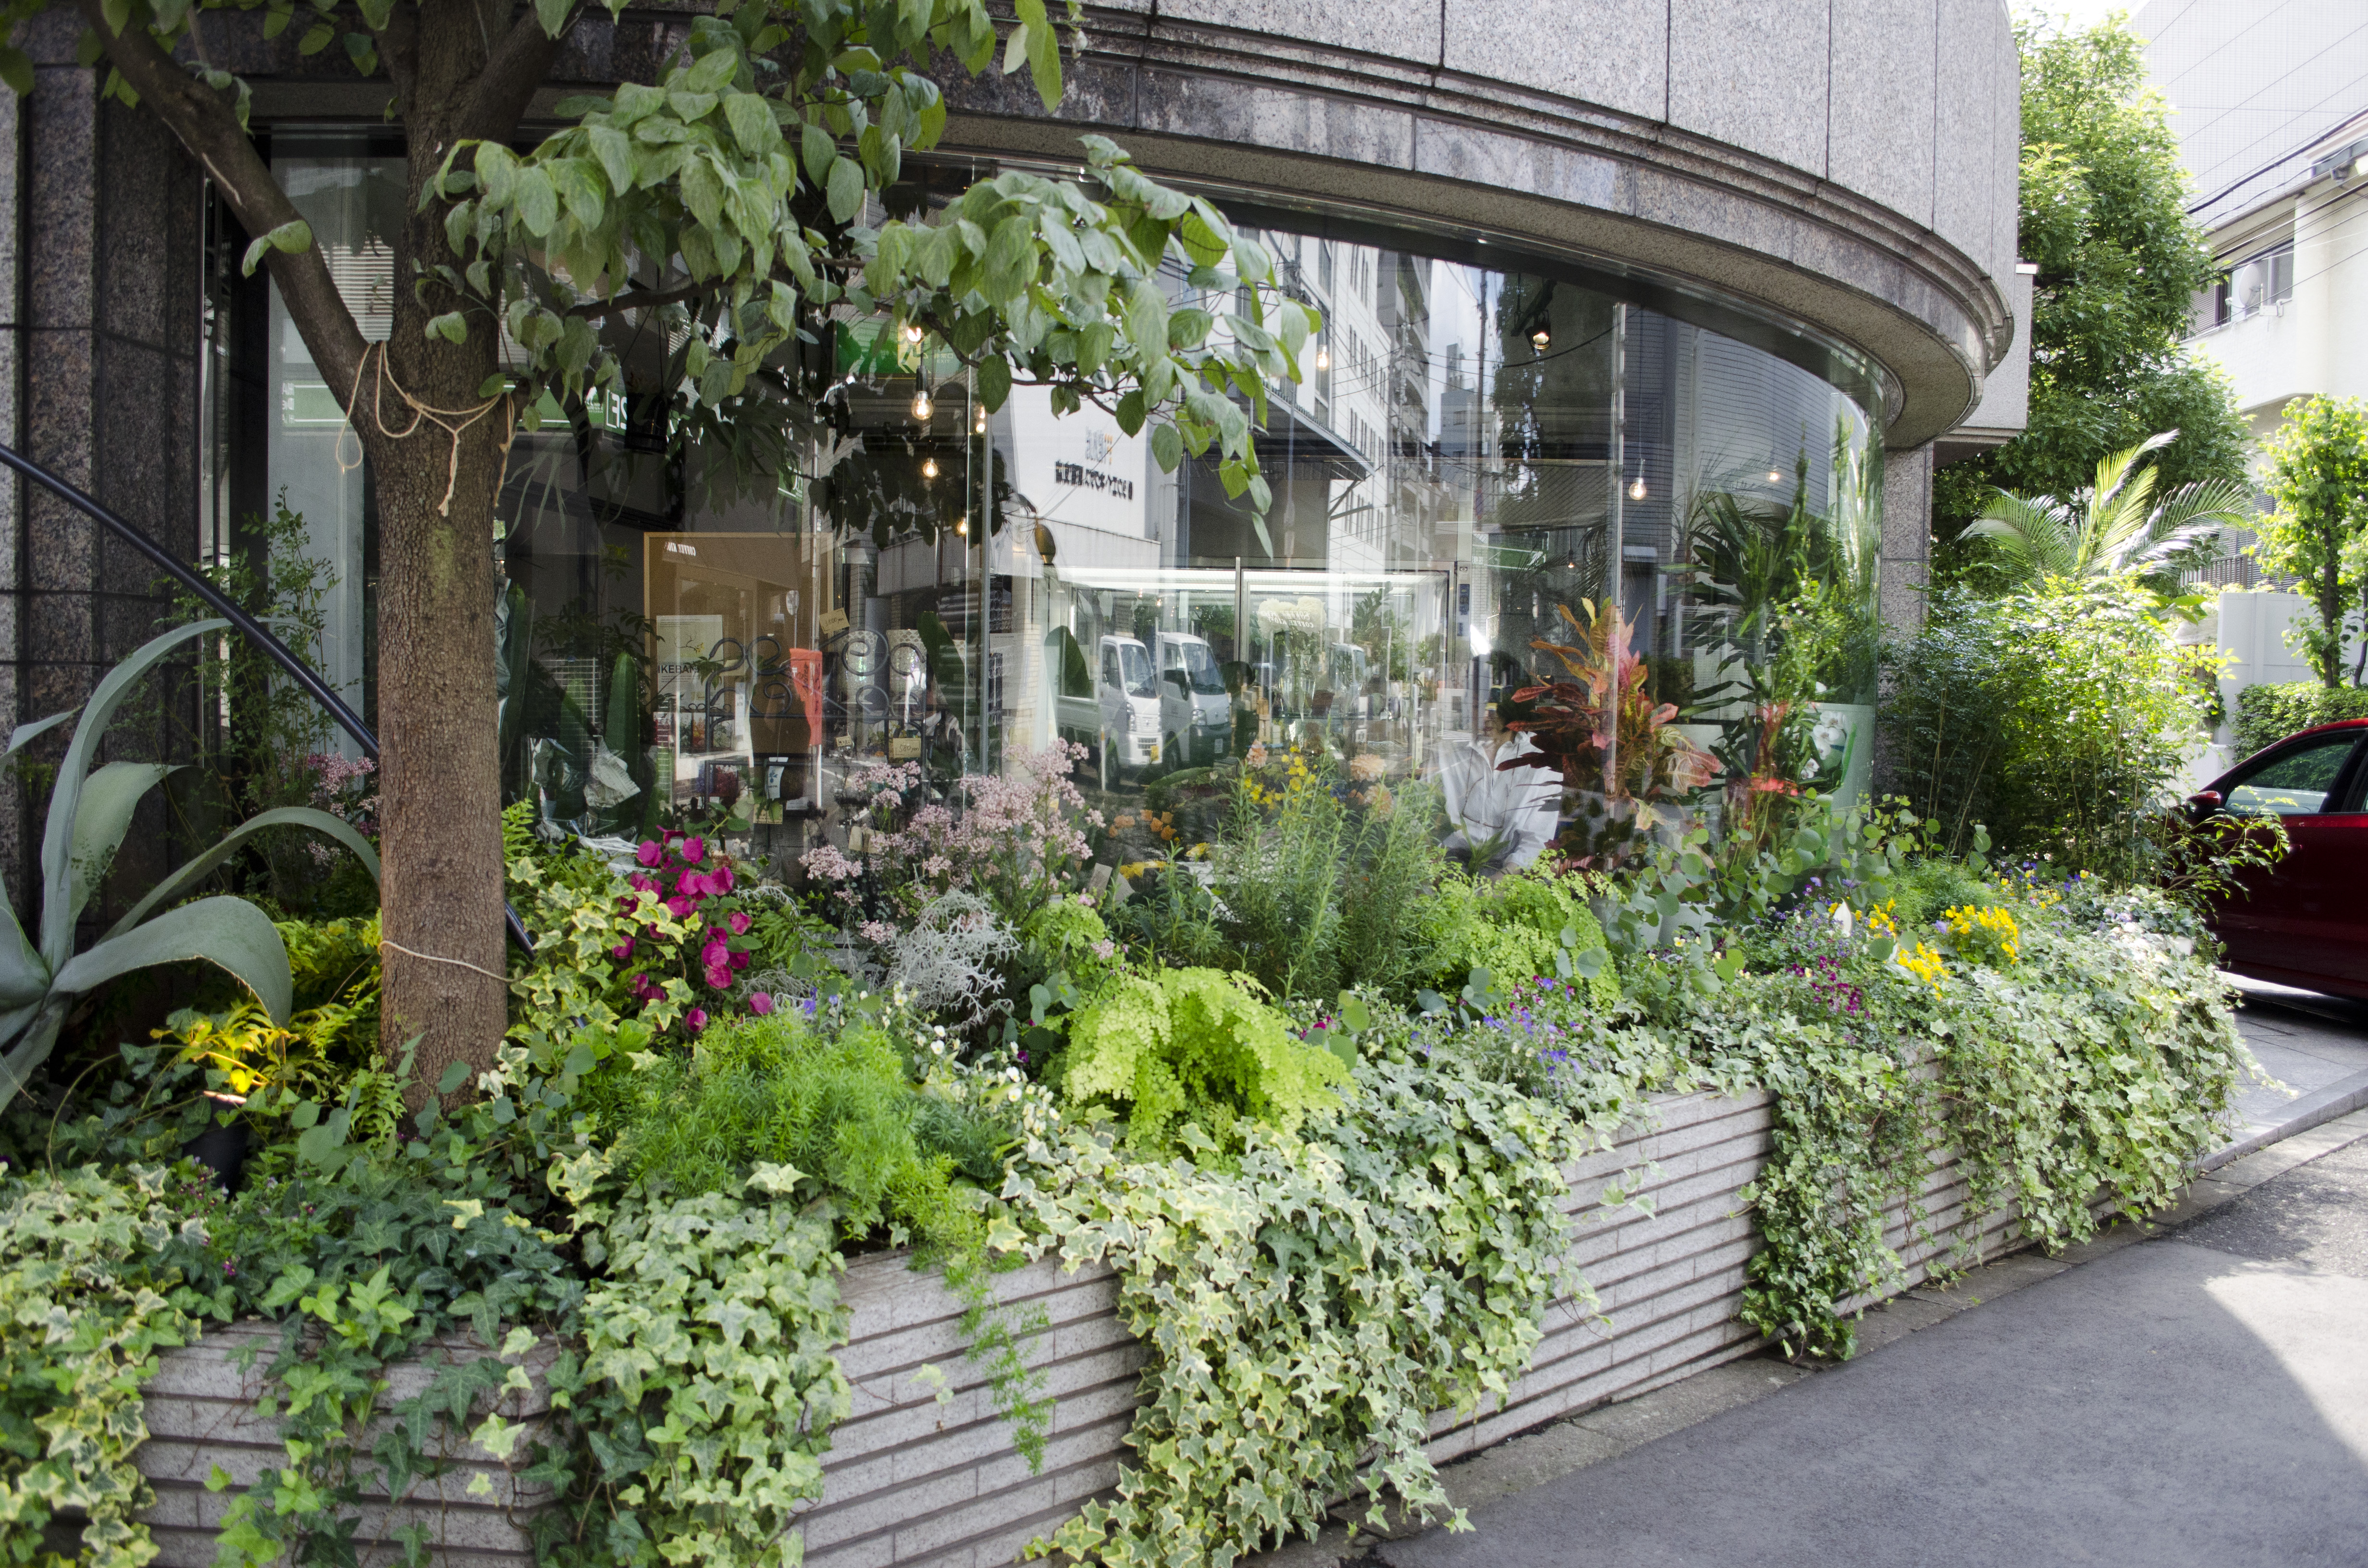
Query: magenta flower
694	849
640	883
713	953
717	979
681	907
695	1020
650	853
760	1003
622	950
719	879
739	961
738	919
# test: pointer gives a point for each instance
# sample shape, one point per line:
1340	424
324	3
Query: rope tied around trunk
454	422
439	957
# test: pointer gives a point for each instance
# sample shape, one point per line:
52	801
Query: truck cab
1195	713
1110	706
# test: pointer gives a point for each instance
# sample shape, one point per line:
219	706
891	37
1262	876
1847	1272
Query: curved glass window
1513	512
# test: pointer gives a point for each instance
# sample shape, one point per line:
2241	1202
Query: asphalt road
2201	1397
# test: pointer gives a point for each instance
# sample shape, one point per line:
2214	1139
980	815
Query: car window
2295	785
1109	665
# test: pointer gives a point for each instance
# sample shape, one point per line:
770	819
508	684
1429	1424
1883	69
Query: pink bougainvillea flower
739	961
762	1002
712	953
738	920
719	879
695	1020
694	849
650	853
622	950
640	883
681	907
717	979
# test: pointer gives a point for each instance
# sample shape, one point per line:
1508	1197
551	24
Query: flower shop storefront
1484	453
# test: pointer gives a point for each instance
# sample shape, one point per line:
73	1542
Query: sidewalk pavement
2202	1398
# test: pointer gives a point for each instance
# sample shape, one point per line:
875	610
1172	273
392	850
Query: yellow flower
1924	964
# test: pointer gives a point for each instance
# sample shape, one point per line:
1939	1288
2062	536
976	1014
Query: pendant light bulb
922	406
979	425
1636	488
1540	339
1775	477
912	333
928	468
1324	359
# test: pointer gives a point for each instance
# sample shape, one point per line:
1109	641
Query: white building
2270	103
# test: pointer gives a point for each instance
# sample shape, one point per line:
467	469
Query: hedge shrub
2274	710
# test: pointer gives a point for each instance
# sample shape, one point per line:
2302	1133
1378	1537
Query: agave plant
89	812
2117	527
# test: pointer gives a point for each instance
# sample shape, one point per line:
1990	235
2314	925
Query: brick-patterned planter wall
200	1413
922	1474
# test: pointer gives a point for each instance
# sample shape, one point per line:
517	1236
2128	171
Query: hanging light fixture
928	468
962	528
1636	488
979	425
1324	359
1775	477
922	406
912	333
1540	339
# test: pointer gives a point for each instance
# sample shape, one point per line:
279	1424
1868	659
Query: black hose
181	571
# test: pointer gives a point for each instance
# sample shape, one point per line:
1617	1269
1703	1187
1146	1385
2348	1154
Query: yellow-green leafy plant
1519	927
1192	1045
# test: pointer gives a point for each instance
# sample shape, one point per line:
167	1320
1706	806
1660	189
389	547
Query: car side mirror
2204	804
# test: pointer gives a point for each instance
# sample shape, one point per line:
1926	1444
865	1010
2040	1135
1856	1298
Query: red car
2306	922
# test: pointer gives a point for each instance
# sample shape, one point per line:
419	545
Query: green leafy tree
2115	527
2317	534
2104	219
744	206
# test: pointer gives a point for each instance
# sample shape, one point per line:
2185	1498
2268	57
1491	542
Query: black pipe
300	672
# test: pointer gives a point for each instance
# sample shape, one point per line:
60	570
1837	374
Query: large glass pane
1517	519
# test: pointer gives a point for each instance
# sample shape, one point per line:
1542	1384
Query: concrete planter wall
200	1413
923	1472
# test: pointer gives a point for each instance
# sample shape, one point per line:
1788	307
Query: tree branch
517	66
637	300
398	49
205	126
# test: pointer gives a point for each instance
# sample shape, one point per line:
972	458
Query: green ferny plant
1183	1044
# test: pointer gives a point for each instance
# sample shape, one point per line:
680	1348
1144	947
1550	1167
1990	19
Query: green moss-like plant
1193	1044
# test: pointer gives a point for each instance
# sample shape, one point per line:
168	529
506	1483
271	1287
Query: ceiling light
1540	339
928	468
1636	488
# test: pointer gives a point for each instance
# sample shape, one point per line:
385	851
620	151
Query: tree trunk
440	786
460	71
